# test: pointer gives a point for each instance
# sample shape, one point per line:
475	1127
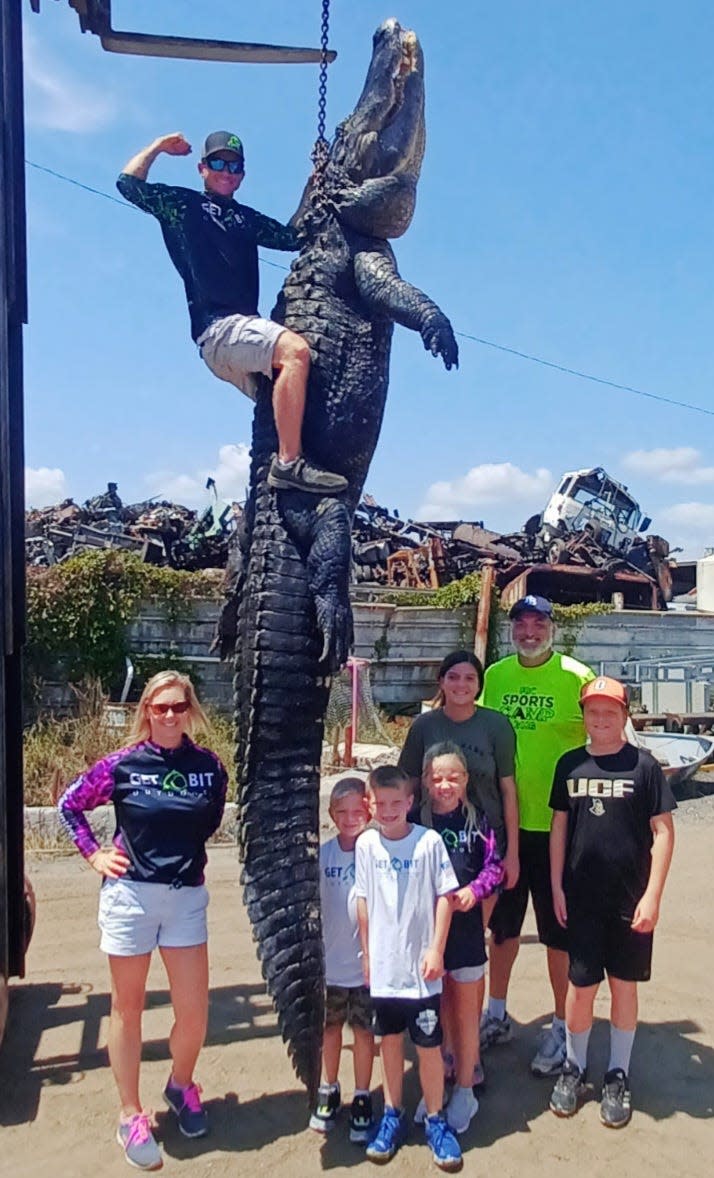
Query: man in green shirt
539	691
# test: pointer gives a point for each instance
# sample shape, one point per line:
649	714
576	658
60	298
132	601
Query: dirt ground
57	1100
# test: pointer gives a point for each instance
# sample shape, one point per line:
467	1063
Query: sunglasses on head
216	164
178	708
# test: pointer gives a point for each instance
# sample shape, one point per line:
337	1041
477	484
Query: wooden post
488	569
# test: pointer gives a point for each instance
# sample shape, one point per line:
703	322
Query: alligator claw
334	621
438	338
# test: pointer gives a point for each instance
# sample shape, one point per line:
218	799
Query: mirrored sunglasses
216	164
163	709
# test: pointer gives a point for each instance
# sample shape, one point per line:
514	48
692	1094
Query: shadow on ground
236	1013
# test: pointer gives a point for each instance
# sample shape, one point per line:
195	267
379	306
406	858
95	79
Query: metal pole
488	569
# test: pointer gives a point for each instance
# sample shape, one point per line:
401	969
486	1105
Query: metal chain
321	150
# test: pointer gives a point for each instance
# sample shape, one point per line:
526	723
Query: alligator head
371	177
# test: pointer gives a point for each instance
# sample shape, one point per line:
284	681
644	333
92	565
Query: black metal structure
95	16
13	313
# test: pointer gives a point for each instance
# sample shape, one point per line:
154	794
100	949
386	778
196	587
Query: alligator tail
281	697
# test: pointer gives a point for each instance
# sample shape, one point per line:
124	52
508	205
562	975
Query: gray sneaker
569	1092
139	1143
495	1030
302	476
616	1105
551	1054
461	1108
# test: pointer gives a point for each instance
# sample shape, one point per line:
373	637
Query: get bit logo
174	783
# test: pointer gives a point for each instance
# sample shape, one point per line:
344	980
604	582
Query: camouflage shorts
348	1005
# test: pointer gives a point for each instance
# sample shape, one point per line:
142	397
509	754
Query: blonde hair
446	748
195	717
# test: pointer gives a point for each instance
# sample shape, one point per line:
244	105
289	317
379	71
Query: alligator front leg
386	293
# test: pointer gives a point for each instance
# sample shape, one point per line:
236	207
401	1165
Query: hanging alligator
294	622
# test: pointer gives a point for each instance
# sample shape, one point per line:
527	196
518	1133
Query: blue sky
564	210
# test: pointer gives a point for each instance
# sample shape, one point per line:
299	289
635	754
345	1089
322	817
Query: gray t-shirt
488	742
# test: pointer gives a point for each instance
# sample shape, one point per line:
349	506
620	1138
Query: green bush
78	612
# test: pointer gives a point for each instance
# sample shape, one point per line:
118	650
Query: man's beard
533	652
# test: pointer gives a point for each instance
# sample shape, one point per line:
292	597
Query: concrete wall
405	645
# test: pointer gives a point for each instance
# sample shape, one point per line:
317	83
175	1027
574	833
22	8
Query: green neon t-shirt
542	704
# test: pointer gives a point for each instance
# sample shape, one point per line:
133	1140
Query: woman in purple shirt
168	796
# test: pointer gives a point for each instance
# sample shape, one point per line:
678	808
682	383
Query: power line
627	388
487	343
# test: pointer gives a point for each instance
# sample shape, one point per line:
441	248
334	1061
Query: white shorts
239	346
136	917
467	973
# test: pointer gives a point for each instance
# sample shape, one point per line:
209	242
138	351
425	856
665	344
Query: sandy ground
57	1100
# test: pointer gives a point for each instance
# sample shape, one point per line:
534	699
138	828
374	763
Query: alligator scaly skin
294	622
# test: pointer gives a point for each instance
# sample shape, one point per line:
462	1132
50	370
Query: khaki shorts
238	347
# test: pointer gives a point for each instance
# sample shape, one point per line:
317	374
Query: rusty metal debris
586	545
158	532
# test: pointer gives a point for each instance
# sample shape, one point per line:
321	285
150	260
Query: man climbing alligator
213	243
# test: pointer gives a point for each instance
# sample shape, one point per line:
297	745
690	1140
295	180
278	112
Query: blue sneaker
391	1133
444	1147
186	1103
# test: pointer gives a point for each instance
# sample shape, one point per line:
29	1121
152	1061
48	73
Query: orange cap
604	688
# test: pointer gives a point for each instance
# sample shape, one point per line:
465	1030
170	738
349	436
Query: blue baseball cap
533	603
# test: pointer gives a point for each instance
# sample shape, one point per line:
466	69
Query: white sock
620	1049
497	1008
576	1043
558	1024
361	1091
286	465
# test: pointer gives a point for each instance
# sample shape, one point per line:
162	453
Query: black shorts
418	1016
602	941
507	917
351	1005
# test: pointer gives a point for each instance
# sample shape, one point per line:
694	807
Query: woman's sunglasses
218	165
163	709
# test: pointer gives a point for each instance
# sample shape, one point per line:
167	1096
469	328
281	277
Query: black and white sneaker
569	1091
361	1119
301	475
616	1103
327	1108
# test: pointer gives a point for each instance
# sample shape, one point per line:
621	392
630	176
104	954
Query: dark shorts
351	1005
418	1016
602	941
507	917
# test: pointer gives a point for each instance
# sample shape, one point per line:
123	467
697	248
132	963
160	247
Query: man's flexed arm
386	293
173	144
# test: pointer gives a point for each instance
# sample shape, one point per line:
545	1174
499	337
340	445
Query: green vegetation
78	612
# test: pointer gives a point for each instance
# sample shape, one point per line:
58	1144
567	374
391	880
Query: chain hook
321	151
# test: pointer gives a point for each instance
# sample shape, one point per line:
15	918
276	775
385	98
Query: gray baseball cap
222	141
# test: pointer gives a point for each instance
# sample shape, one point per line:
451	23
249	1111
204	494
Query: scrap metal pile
586	544
160	533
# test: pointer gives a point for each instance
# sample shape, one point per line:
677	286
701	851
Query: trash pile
159	532
586	545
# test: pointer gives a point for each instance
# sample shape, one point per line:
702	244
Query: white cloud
56	100
44	486
231	473
492	482
689	526
681	464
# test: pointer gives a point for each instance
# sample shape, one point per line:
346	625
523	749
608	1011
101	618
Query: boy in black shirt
611	844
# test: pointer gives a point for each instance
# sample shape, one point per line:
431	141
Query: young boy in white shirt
347	998
403	880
